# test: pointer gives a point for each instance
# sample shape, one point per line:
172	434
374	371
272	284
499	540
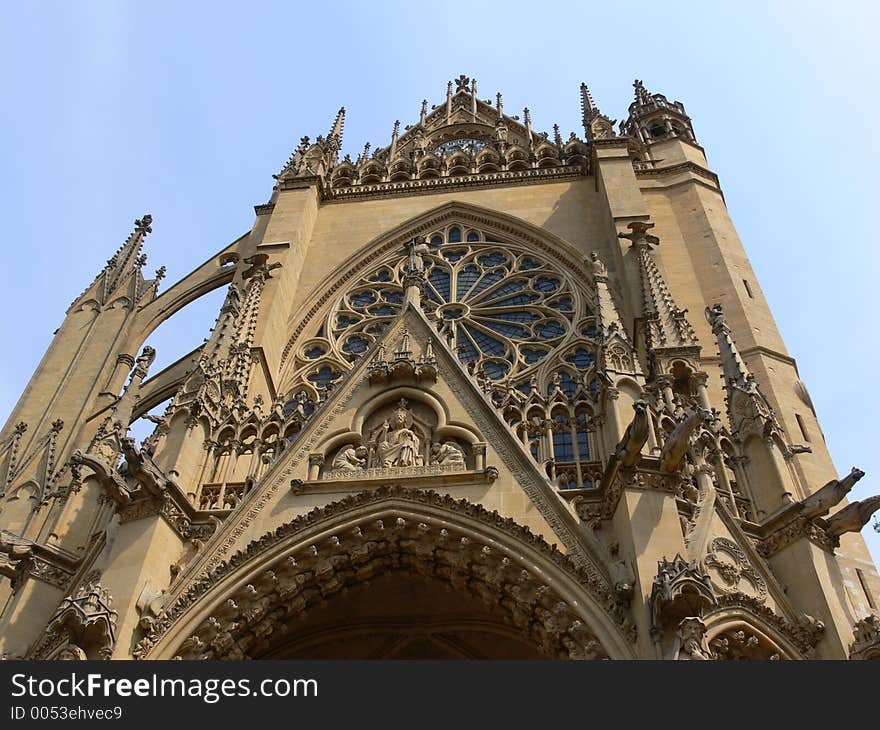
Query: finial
557	136
338	123
461	84
160	273
588	106
500	104
394	134
143	225
527	117
474	99
448	101
140	260
424	114
639	235
642	96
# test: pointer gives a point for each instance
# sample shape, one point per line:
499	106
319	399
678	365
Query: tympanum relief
398	439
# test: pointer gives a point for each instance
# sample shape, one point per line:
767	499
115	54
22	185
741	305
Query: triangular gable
272	502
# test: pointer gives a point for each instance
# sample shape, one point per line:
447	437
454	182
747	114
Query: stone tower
484	392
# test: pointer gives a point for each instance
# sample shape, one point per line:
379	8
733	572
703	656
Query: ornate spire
589	110
596	124
108	440
527	118
423	115
394	136
666	327
127	257
335	136
612	333
652	117
747	408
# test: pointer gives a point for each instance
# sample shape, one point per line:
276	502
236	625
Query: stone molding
310	524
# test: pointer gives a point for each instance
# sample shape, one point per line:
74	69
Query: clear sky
184	110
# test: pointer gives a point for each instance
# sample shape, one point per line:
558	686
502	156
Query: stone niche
400	438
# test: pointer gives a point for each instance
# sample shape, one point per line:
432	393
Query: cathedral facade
484	392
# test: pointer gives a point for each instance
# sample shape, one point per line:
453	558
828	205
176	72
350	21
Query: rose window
503	308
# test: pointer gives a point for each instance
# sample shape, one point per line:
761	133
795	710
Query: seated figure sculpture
395	443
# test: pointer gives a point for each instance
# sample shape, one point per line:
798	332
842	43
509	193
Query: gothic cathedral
485	392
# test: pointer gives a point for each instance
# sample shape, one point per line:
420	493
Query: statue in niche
448	452
350	458
395	443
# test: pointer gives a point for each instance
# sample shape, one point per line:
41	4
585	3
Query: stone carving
676	445
851	518
395	443
866	638
727	563
692	640
629	449
448	452
416	248
350	458
584	575
822	500
84	626
680	589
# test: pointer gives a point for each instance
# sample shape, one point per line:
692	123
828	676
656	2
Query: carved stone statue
350	458
448	452
692	635
416	248
395	443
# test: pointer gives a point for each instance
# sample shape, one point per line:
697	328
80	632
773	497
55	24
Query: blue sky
184	110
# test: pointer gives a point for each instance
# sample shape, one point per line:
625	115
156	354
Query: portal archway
429	575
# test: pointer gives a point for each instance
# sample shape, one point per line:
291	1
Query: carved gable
407	414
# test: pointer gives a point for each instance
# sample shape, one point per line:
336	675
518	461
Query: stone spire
611	330
589	110
643	98
334	139
123	269
394	136
237	366
527	118
596	124
107	442
667	330
747	408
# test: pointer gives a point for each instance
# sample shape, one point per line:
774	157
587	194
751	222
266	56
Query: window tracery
519	323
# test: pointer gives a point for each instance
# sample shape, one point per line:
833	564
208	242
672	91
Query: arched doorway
395	573
402	615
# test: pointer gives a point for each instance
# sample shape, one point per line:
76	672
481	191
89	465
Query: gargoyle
138	465
853	517
629	449
678	441
822	500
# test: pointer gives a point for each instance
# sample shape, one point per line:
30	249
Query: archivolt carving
303	562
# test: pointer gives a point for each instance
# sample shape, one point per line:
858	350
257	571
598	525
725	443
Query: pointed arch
466	215
234	611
